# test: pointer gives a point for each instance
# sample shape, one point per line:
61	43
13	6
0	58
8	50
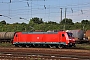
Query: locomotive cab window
70	34
62	35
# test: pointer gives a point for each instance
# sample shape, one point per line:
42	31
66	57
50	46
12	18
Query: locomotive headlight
70	39
73	39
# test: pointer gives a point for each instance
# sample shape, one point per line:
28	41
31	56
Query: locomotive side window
62	35
16	35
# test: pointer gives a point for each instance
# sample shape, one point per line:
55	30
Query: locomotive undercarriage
40	45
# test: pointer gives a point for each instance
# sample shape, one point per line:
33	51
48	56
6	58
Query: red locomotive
56	39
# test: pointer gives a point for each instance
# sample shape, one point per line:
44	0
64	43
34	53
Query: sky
48	10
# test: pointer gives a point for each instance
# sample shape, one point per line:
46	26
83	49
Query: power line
72	8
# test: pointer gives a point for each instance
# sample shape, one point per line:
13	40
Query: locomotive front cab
15	39
71	39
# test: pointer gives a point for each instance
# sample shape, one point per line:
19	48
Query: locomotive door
63	39
15	39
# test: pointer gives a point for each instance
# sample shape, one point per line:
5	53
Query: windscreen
69	34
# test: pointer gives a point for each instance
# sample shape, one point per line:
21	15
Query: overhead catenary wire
27	3
46	9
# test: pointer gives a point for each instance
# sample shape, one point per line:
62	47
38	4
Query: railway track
43	54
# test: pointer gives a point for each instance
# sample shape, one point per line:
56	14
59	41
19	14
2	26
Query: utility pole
61	14
65	19
61	17
31	9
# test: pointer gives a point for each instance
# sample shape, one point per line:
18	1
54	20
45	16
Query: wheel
15	45
50	46
74	45
19	46
60	46
27	46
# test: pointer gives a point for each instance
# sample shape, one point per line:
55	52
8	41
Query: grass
83	46
6	45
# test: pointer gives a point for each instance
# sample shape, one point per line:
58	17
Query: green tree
36	20
84	22
67	21
51	22
3	22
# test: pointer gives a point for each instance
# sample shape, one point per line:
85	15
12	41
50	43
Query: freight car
78	35
87	34
47	39
6	36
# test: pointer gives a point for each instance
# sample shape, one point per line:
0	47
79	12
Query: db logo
37	37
